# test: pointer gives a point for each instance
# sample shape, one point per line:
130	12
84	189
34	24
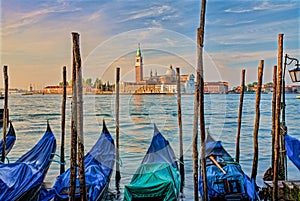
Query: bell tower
138	66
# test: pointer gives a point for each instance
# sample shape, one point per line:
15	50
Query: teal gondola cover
158	176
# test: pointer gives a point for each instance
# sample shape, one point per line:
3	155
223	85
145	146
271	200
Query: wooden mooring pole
117	108
80	137
5	113
73	159
195	141
257	119
200	45
277	118
240	112
180	129
63	122
274	112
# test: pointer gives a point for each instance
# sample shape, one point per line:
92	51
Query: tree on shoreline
97	84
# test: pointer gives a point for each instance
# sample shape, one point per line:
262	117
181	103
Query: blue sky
36	37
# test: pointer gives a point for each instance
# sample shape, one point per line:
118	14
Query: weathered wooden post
180	128
195	141
277	118
73	159
240	112
274	113
200	75
5	113
118	175
257	119
63	122
80	137
283	129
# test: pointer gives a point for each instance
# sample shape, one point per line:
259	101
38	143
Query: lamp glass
292	75
295	74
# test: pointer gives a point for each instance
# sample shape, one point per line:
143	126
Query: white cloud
22	20
154	11
255	33
237	23
94	16
156	24
264	5
224	59
229	10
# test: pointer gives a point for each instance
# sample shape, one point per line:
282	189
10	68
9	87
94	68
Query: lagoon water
137	115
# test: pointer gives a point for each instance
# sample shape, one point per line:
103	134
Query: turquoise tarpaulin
158	176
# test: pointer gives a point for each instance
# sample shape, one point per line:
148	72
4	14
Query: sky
36	40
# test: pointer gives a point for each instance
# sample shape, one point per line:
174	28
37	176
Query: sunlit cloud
263	5
155	11
266	5
256	33
33	17
94	16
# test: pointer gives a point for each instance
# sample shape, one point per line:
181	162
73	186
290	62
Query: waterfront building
216	87
56	89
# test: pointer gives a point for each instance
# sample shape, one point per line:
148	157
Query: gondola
225	177
99	163
22	180
157	177
10	139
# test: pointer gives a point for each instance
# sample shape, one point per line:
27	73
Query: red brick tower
138	66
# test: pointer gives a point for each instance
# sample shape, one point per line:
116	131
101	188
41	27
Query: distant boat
298	96
22	179
158	177
27	93
2	95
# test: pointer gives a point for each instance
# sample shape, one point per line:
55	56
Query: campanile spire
138	65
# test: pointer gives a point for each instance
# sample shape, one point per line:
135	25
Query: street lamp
294	72
295	77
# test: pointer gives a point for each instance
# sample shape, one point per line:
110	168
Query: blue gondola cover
293	149
28	172
234	185
99	162
10	140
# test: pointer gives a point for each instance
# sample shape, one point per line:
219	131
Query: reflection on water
137	115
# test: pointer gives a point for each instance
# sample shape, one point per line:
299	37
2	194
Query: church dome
170	71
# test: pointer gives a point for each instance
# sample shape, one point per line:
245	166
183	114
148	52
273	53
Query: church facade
156	84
